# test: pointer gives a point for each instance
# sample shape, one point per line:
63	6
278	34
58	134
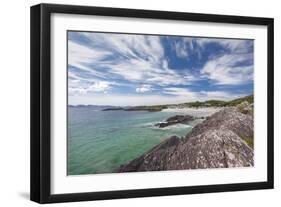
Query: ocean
100	141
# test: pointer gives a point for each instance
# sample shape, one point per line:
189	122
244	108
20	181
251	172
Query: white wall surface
14	101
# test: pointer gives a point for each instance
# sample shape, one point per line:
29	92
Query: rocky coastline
194	105
222	140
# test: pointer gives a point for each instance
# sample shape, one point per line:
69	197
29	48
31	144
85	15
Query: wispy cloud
144	88
147	66
99	86
227	69
201	95
181	49
81	57
233	66
136	100
233	45
132	57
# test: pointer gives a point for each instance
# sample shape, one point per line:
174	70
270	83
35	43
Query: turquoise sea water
101	141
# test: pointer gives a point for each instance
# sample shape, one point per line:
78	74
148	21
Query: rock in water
180	118
218	142
175	120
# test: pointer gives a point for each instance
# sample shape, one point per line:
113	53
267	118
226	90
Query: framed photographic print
132	103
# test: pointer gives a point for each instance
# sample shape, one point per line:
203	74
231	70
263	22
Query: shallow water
101	141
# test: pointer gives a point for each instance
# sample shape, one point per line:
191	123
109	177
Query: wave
178	126
148	124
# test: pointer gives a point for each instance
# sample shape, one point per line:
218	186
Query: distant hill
218	103
96	107
155	108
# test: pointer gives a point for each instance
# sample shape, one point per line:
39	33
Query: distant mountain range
90	106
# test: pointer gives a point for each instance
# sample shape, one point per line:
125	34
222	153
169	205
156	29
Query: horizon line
159	104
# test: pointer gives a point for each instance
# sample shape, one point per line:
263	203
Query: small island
138	108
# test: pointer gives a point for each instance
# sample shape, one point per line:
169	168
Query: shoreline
196	112
225	138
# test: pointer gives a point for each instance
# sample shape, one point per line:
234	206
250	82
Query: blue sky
130	69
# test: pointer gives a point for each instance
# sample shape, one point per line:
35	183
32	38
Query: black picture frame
40	184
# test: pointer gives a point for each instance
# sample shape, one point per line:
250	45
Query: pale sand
196	112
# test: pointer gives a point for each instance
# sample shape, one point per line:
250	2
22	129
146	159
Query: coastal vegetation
197	104
219	103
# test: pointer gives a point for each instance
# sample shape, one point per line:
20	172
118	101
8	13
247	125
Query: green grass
196	104
235	102
218	103
249	141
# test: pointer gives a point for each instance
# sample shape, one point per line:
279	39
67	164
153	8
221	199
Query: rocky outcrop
155	159
175	120
228	118
245	108
221	141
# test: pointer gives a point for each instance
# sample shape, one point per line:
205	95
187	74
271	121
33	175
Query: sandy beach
196	112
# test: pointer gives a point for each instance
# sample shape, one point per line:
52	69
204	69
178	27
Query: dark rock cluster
175	120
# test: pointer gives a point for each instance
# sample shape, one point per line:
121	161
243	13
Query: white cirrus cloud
101	86
225	70
178	96
144	88
103	60
181	49
189	95
81	56
95	87
187	45
178	92
234	45
134	58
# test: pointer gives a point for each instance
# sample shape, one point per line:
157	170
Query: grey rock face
245	108
218	142
155	159
228	118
